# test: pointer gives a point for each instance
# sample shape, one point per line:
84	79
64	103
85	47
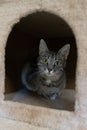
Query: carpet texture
6	124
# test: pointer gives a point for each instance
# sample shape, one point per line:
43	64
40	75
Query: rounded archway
23	42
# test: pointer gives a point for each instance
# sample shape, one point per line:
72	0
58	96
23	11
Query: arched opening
22	45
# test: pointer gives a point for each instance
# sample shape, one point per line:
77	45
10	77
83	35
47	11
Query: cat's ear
43	47
64	51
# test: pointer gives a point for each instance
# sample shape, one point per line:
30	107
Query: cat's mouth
52	73
49	73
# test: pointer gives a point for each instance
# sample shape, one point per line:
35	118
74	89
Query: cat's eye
54	65
57	62
46	61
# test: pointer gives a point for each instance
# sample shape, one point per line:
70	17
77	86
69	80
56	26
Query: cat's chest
48	82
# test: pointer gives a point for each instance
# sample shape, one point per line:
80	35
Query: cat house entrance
22	45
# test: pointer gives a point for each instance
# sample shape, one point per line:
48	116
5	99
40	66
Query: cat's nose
49	69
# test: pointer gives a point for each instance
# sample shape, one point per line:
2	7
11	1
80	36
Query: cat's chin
50	75
47	75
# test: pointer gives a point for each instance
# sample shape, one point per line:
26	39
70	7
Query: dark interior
23	43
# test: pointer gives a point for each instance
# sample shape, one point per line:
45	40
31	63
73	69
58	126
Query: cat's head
51	63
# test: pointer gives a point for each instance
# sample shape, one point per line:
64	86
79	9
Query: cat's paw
53	97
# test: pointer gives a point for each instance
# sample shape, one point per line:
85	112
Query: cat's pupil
46	61
57	62
54	65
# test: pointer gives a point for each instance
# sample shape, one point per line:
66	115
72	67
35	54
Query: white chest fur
48	82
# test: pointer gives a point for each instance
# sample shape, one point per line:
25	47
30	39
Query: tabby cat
49	78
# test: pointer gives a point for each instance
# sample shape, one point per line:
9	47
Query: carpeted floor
6	124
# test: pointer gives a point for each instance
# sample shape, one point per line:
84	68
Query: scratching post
20	20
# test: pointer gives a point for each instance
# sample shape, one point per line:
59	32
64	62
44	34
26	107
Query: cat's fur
49	78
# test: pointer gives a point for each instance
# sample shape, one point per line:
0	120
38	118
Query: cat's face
50	63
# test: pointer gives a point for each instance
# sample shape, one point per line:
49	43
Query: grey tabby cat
49	79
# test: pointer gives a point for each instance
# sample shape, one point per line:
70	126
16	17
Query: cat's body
49	78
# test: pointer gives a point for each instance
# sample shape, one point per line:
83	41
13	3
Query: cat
48	78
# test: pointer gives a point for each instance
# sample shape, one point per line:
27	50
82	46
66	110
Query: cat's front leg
53	97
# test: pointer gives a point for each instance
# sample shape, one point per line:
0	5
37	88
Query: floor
6	124
64	102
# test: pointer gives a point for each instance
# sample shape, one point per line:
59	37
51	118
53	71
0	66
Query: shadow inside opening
22	45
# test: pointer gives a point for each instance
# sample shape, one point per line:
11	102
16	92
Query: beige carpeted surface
6	124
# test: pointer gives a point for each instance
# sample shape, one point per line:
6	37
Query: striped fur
49	78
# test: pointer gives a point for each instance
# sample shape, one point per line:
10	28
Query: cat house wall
74	13
24	39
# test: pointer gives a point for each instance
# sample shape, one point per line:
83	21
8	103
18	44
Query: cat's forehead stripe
51	54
